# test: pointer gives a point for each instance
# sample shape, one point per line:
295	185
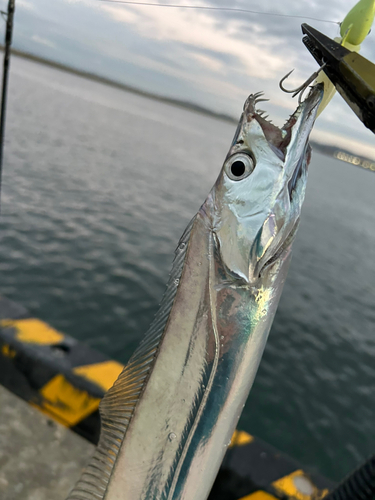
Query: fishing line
228	9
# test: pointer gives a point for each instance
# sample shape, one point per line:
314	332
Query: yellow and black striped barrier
60	376
255	470
66	380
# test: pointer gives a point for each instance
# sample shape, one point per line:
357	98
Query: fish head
255	206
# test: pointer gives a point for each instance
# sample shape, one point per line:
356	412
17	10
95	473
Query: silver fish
168	419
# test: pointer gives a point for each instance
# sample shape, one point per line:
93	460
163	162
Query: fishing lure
353	30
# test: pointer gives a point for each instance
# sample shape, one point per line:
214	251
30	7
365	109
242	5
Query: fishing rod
8	41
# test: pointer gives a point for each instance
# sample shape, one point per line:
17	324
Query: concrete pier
39	459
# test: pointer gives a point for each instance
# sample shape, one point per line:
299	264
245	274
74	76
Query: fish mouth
290	143
279	139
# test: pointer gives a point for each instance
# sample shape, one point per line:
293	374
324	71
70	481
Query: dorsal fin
118	405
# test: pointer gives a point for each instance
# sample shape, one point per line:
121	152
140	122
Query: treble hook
301	89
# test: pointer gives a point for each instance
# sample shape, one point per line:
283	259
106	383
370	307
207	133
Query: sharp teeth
260	100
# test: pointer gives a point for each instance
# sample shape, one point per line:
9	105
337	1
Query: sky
211	58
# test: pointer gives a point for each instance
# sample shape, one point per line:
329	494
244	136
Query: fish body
168	419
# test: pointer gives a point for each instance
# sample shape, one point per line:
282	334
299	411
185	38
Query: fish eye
239	166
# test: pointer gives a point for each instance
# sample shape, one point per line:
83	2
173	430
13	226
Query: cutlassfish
168	419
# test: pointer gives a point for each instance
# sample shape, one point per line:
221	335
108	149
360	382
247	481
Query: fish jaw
255	217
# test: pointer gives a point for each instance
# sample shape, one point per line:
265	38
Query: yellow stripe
65	403
103	374
7	351
297	485
240	438
33	331
259	495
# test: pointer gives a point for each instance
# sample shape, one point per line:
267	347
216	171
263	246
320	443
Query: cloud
25	4
213	64
200	30
212	58
43	41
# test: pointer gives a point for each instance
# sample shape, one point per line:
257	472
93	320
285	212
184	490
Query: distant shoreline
329	150
122	86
